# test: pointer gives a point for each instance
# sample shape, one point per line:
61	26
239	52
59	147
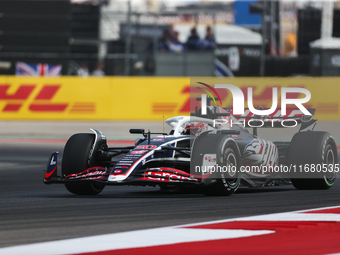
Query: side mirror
137	131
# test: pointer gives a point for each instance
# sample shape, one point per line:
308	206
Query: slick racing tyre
76	159
221	151
229	180
314	155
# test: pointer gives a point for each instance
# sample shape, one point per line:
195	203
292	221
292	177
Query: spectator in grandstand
174	44
209	40
164	41
83	70
99	71
194	41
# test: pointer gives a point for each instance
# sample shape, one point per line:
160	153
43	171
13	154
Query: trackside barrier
140	98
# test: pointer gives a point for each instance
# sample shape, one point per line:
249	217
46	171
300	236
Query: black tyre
312	150
229	180
76	158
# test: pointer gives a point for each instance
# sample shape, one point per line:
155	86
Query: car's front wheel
229	176
76	158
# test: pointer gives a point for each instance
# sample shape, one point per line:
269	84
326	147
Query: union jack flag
26	69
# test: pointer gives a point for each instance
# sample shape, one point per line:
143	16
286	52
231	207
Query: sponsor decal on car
160	178
90	174
166	176
126	161
138	152
145	147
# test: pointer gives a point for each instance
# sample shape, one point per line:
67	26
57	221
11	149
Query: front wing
149	176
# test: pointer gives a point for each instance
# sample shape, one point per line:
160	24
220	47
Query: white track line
125	240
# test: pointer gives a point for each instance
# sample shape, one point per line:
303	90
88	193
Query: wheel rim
231	177
330	160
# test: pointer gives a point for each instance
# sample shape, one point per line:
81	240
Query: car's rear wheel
76	158
314	156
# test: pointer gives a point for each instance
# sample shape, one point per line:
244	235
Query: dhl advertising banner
92	98
142	98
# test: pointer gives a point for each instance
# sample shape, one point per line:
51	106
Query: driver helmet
195	129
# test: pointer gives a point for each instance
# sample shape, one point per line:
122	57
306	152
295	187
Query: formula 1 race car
214	152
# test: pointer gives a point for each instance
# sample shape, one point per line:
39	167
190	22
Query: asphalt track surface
31	211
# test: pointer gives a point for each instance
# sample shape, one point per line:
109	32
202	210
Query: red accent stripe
47	92
261	146
82	106
42	69
12	108
331	210
84	103
82	110
48	107
49	174
265	225
174	170
321	239
86	171
23	92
